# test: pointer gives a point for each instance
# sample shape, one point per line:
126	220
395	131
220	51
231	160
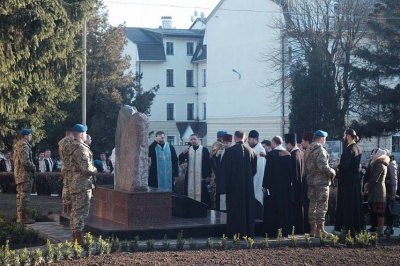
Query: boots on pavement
321	231
313	231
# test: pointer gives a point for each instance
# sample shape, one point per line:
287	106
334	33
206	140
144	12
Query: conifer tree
39	63
378	73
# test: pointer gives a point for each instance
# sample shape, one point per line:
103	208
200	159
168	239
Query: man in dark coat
198	174
164	163
239	165
349	208
276	188
299	210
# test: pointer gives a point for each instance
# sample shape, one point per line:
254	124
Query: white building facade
215	75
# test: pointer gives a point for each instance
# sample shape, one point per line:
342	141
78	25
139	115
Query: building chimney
166	22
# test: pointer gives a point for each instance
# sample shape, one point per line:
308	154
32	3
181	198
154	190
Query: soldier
66	169
82	181
24	169
319	177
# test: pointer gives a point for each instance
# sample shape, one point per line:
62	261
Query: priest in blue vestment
164	164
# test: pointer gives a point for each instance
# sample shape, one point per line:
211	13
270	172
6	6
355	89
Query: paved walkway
57	233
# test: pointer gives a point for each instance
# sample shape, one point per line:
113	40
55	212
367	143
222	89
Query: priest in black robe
299	203
198	174
277	190
349	208
238	166
159	143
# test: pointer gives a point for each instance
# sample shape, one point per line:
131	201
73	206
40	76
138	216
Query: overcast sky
148	13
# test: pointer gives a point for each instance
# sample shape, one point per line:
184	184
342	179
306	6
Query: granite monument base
133	208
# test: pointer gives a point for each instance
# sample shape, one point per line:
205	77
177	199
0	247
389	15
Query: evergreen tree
378	73
39	65
323	35
139	98
107	79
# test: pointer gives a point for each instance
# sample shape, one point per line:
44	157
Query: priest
238	167
276	188
198	174
164	164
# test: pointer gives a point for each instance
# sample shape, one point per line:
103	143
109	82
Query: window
204	81
190	48
171	140
170	77
190	111
204	111
170	48
395	143
170	111
189	78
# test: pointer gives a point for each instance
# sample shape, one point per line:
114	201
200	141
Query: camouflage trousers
80	209
318	196
66	196
23	195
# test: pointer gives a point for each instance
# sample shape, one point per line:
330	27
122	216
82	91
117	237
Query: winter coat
377	189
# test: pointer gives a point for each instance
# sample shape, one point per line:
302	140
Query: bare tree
328	31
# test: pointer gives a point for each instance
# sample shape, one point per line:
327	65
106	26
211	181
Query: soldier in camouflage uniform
82	181
24	169
66	169
319	176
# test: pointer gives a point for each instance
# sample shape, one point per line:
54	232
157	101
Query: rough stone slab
131	150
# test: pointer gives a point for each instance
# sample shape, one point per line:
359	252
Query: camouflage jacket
24	168
82	166
64	149
316	161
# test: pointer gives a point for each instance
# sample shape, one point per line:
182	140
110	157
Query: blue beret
97	163
221	133
79	128
321	133
25	131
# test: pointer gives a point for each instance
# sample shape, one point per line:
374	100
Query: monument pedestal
150	207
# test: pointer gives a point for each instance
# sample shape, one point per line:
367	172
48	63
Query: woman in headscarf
377	189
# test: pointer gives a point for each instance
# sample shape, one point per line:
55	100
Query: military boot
313	231
321	231
21	218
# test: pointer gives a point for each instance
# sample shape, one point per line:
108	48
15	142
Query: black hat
253	134
308	136
290	138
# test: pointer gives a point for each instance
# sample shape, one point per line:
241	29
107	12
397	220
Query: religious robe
349	208
258	180
198	169
153	169
277	177
299	200
238	166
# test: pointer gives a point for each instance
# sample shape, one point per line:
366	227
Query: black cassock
238	166
206	171
153	176
277	177
349	208
299	200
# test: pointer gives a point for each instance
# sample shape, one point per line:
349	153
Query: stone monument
131	150
131	202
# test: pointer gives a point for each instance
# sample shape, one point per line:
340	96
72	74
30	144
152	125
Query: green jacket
24	168
318	171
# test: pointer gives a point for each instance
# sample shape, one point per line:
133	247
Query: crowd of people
279	181
282	182
77	170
